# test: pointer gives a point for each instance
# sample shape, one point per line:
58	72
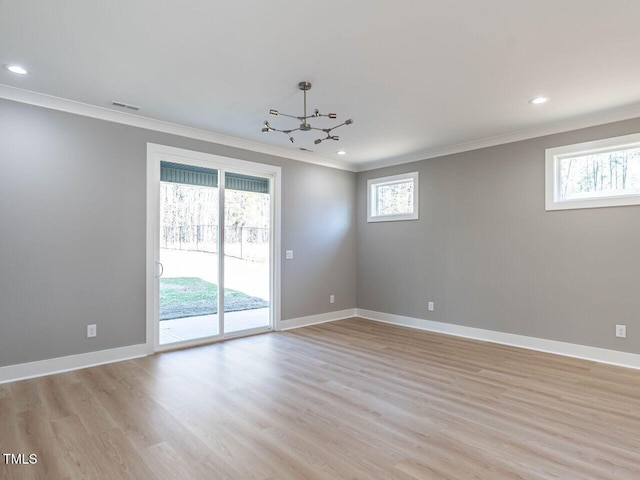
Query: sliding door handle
161	272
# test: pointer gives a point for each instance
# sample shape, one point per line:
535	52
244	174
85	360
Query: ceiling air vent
125	105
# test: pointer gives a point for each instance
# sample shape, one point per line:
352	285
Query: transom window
393	198
603	173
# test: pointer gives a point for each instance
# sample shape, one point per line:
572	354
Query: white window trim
552	173
392	179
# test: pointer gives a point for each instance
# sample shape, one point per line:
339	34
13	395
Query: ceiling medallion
305	126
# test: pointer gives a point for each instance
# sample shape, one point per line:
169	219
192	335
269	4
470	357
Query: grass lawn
191	296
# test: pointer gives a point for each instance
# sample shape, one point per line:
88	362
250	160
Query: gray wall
72	240
490	256
72	232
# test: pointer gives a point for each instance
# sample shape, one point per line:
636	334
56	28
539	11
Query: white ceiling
417	76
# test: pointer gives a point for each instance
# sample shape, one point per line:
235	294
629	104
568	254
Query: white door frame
157	153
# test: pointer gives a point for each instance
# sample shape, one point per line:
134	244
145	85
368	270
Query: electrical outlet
288	254
621	331
332	299
430	306
91	331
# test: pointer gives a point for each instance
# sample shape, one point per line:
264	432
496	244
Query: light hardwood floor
345	400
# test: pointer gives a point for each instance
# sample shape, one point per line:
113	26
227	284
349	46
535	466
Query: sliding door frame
157	153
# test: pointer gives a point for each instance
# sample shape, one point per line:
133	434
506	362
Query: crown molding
101	113
611	116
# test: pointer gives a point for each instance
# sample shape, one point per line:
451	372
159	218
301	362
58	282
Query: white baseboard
315	319
595	354
41	368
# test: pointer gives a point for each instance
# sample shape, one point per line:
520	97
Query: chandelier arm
328	137
287	133
283	131
327	130
287	115
343	123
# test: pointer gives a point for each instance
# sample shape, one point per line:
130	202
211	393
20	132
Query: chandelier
305	126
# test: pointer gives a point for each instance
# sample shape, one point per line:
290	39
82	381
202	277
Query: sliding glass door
214	275
188	285
247	233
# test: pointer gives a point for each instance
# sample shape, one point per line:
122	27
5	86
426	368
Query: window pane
394	198
600	174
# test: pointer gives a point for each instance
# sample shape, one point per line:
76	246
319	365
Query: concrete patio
202	326
246	276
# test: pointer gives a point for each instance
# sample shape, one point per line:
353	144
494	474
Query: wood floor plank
33	429
25	395
352	399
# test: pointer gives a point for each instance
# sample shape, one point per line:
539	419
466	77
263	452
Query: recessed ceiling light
341	152
539	100
17	69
